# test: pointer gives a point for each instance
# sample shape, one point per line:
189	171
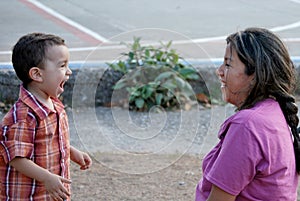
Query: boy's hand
54	185
86	162
81	158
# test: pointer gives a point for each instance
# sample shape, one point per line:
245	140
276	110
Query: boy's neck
41	96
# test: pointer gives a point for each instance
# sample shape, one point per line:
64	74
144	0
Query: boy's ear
35	74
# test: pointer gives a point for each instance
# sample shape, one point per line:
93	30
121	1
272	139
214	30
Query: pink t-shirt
254	159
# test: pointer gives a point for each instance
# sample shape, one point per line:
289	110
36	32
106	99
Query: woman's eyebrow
227	58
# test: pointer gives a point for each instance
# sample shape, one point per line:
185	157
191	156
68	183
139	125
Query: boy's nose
69	71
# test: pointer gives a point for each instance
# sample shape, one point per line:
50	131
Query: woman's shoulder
266	116
265	109
264	113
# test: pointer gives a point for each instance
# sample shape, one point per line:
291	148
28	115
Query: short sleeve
17	141
236	164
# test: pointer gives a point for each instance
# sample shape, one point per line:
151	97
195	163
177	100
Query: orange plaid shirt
38	133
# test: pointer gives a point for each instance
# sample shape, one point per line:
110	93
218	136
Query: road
93	29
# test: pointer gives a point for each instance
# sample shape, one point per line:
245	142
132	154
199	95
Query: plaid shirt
38	133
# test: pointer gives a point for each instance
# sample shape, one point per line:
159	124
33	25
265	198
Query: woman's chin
224	94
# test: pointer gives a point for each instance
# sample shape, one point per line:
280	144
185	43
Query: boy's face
55	71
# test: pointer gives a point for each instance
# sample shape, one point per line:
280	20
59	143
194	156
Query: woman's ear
35	74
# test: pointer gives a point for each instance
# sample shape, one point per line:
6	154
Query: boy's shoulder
18	113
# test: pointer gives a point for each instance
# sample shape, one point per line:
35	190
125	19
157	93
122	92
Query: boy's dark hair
30	51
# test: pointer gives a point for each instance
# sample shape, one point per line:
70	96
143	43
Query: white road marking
68	21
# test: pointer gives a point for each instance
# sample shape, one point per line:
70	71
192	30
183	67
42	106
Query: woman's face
235	83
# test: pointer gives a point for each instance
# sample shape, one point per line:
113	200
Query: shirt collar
39	109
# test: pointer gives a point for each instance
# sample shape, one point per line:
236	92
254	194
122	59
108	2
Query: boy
34	142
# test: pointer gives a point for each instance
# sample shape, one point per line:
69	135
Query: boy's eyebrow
62	61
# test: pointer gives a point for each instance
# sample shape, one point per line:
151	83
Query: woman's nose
220	71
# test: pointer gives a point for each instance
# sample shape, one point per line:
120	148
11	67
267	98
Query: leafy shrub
155	76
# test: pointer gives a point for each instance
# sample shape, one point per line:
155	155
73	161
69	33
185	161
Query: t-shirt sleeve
236	164
16	141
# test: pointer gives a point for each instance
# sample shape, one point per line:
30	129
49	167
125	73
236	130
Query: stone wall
93	86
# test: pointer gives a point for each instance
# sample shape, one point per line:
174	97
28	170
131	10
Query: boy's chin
57	95
59	92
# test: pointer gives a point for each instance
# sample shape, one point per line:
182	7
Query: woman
257	157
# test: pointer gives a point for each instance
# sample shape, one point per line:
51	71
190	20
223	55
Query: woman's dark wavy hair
266	56
30	51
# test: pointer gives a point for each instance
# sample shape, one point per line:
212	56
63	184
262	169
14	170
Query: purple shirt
254	159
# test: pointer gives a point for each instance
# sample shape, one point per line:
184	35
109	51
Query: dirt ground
174	183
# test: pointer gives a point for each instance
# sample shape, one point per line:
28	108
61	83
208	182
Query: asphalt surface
197	28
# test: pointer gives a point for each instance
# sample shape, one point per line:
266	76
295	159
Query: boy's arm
52	182
81	158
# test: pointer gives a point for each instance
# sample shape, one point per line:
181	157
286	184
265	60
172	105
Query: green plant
155	76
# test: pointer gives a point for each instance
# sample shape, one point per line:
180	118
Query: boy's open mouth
62	84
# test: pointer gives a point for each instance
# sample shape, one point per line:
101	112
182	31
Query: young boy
34	136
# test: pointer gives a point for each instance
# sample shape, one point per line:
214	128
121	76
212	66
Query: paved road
197	27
